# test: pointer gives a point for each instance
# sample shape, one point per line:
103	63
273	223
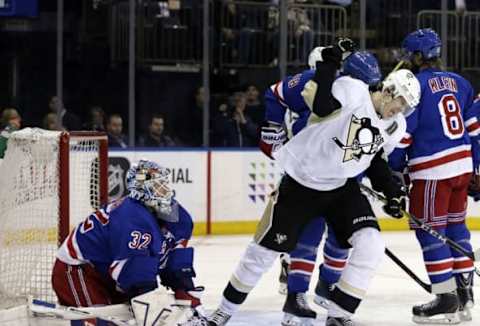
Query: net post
64	187
103	166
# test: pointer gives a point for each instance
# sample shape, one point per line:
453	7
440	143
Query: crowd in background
95	88
234	122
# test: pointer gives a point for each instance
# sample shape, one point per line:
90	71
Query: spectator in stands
242	131
254	106
114	130
69	120
299	29
49	121
155	136
10	121
193	125
96	119
222	127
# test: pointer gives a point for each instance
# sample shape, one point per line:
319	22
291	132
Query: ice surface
388	303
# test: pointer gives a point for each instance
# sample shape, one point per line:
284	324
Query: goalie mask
149	183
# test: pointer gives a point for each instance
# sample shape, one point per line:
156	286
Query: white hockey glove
271	139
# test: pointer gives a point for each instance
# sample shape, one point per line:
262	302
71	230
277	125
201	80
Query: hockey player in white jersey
346	136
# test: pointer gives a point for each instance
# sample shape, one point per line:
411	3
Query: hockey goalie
113	260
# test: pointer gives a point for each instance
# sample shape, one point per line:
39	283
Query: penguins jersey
286	95
124	241
325	154
437	142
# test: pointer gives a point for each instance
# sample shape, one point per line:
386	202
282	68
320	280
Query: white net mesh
29	208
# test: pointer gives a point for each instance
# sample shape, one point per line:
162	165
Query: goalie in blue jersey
119	251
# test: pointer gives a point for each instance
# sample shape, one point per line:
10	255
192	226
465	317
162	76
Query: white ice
388	303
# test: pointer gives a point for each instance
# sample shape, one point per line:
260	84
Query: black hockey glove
396	203
338	52
474	186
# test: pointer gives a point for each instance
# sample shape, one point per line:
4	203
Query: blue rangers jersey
286	95
437	141
125	241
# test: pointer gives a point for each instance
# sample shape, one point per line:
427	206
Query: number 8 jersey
442	125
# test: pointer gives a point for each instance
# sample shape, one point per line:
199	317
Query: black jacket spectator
155	136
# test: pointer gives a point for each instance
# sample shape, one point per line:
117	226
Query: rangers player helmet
426	41
364	66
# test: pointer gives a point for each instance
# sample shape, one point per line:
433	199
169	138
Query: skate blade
465	314
292	320
442	319
322	302
282	289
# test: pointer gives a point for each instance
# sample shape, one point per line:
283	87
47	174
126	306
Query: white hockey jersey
324	155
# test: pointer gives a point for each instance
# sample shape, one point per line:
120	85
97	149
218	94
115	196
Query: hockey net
49	182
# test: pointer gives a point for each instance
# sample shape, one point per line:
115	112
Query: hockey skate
323	292
332	321
283	277
465	296
442	310
218	318
297	312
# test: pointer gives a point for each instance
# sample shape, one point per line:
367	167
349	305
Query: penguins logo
362	139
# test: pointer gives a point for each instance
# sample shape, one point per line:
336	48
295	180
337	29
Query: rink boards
226	190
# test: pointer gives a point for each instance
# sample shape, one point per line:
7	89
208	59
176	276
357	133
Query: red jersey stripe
440	161
301	265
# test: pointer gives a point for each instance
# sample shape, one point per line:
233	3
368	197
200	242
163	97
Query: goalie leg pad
158	307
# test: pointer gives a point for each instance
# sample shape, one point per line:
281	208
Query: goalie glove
271	139
193	296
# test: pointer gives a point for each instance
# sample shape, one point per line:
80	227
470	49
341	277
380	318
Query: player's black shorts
292	207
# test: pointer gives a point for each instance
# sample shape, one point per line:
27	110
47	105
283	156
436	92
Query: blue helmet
426	41
148	182
364	66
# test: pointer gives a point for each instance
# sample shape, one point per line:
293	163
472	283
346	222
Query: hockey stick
46	309
475	255
427	287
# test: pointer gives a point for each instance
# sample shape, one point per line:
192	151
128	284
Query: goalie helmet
404	83
148	182
364	66
426	41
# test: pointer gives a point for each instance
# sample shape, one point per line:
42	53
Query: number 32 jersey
124	241
437	142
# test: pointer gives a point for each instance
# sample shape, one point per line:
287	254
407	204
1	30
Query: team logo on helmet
362	139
